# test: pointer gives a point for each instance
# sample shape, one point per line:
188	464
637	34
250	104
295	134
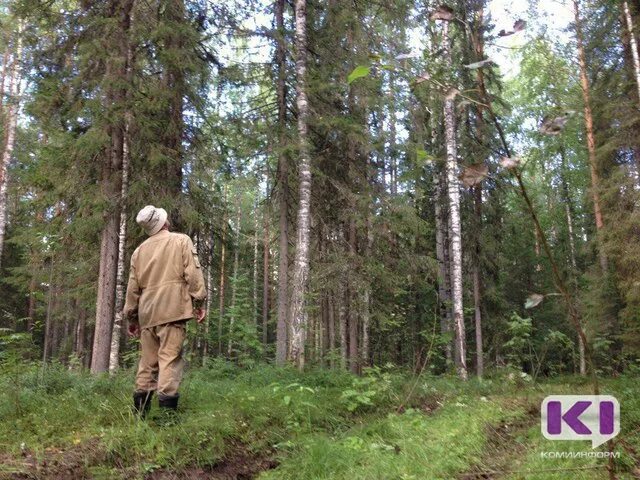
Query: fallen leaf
533	300
510	162
443	12
474	174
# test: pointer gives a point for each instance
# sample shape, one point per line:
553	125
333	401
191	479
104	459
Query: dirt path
75	464
505	447
239	464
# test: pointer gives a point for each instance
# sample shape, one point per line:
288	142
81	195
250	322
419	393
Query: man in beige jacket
166	289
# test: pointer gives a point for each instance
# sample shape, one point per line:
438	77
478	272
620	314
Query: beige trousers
161	362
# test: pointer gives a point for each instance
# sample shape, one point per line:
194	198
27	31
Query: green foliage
373	388
442	432
519	344
358	72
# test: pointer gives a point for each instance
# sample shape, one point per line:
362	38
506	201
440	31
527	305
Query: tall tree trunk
266	244
48	327
591	143
477	297
331	319
453	191
393	173
299	316
234	285
366	298
634	44
122	235
256	226
572	248
477	192
324	306
10	133
442	256
111	186
205	340
80	336
352	302
120	277
283	195
31	309
3	77
222	270
342	326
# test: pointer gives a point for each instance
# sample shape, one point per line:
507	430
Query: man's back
166	276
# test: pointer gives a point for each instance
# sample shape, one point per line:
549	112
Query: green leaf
287	400
358	72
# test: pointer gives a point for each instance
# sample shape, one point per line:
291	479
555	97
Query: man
166	288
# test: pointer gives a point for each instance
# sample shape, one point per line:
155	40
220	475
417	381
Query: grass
317	425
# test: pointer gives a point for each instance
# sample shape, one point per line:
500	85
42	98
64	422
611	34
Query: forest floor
272	423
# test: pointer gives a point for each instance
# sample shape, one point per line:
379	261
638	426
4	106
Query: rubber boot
168	409
142	403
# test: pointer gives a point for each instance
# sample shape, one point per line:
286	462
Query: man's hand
199	313
134	329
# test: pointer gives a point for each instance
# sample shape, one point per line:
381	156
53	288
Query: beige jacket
164	279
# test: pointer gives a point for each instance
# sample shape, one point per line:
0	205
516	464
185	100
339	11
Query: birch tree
634	44
122	235
11	121
299	317
453	194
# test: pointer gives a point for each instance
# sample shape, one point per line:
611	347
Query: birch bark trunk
634	44
10	133
5	64
120	277
122	235
453	192
299	316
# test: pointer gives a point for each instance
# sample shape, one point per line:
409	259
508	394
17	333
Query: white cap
152	219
